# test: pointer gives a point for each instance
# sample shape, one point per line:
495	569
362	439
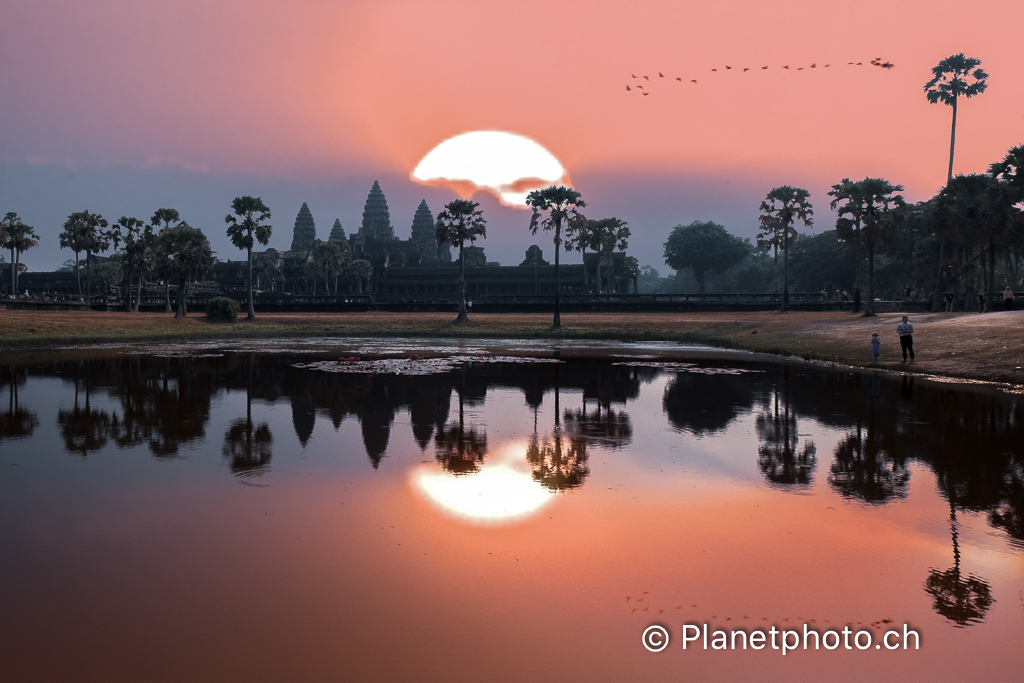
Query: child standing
876	345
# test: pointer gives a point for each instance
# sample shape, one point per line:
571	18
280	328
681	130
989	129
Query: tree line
964	240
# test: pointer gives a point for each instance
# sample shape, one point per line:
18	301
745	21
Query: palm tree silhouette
458	449
779	456
16	423
962	600
247	446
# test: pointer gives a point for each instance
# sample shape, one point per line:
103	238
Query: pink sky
321	93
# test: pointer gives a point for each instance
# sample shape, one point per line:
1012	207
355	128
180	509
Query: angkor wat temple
417	268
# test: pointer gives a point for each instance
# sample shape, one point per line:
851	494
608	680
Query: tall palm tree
70	239
190	256
252	212
131	232
871	213
953	77
779	211
17	237
90	234
563	205
460	220
580	239
162	266
610	234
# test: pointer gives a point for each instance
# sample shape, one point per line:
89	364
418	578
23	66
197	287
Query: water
447	512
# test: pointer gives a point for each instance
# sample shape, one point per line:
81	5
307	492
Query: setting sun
494	494
506	164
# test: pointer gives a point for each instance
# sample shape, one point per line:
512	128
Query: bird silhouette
627	88
786	67
827	65
799	68
714	69
639	87
679	79
727	66
849	63
633	75
661	75
746	69
860	63
646	94
646	79
765	66
693	80
887	65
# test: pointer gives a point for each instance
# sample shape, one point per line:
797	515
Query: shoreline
969	346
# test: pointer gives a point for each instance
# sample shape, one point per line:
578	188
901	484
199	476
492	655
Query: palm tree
17	237
361	270
580	239
70	239
244	234
874	212
162	266
780	209
460	220
563	205
136	237
189	253
950	82
965	212
90	234
610	234
330	258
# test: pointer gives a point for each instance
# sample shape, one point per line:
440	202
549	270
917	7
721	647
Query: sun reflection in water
502	491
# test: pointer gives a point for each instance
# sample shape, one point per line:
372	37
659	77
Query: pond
394	510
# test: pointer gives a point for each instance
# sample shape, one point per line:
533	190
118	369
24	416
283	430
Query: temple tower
337	232
304	233
376	216
423	231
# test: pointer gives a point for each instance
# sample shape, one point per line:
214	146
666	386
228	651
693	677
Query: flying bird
826	66
887	65
693	80
799	68
786	67
628	88
633	75
746	69
646	79
646	94
639	87
814	65
661	75
679	79
765	66
714	69
727	66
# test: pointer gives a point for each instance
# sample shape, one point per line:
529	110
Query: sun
494	494
507	164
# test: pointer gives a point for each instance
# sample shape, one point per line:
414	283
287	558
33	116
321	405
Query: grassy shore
985	347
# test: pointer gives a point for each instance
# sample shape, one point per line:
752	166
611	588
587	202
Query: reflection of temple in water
973	442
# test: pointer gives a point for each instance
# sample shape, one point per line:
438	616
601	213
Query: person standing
876	346
948	298
906	332
1008	298
981	302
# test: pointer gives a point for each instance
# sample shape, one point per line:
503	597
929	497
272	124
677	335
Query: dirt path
987	347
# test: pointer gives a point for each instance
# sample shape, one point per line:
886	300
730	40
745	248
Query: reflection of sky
332	551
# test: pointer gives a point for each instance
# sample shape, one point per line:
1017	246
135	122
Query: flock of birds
645	90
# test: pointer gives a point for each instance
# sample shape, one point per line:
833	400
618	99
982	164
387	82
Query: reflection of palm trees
780	457
17	422
962	600
1010	513
245	444
84	429
864	469
559	462
460	450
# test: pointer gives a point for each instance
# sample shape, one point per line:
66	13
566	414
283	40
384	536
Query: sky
123	107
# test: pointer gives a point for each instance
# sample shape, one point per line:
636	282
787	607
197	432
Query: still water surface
453	513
